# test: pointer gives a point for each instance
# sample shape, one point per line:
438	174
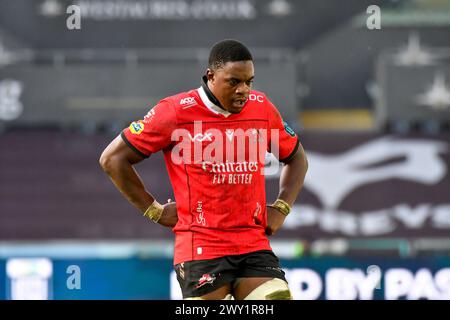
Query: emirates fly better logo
230	155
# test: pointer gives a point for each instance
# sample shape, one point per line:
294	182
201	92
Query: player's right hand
169	217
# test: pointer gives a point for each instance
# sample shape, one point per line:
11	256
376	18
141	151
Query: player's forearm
128	182
292	177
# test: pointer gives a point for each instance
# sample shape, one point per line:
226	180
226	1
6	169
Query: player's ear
210	74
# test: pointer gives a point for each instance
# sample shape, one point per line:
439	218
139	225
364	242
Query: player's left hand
275	220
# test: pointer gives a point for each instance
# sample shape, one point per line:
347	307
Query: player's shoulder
164	110
261	101
183	100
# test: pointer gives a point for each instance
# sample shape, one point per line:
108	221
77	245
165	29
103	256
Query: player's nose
243	90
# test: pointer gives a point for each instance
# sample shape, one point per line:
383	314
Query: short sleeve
283	142
152	133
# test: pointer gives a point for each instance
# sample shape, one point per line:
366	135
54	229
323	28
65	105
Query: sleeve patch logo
288	129
137	127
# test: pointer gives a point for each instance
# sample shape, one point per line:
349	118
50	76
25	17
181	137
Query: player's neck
210	94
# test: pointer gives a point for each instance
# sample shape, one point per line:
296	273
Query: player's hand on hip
275	220
169	217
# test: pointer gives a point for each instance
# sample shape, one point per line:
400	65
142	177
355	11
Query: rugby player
214	139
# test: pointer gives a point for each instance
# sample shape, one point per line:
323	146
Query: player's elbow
106	161
304	160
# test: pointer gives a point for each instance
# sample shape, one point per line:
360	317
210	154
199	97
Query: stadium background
371	106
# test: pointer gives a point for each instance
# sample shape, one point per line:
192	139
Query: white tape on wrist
154	211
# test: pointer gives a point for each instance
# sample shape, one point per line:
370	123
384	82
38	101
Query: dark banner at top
173	23
168	10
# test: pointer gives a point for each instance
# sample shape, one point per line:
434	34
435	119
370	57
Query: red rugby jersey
215	162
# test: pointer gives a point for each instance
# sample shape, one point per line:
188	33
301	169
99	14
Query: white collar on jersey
210	105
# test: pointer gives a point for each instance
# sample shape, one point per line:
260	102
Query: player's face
231	84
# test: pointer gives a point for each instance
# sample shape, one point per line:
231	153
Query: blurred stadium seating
372	108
